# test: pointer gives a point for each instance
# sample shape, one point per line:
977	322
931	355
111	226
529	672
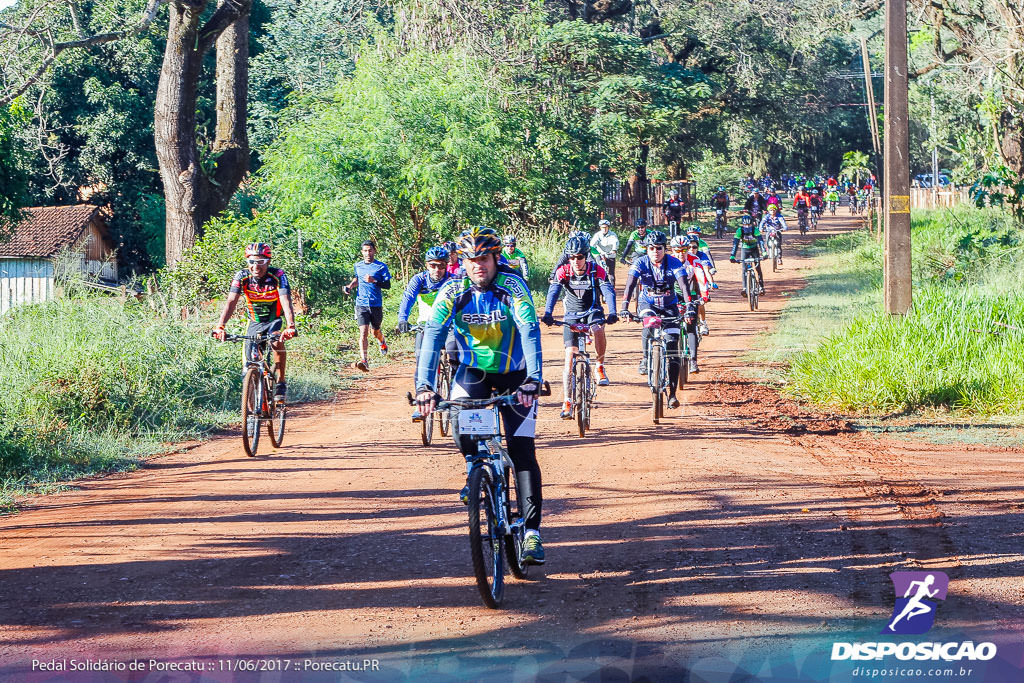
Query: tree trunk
1011	140
193	194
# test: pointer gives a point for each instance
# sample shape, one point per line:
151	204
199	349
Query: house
27	255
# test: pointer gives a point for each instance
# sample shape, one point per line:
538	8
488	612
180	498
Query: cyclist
694	231
658	274
832	198
371	276
515	257
637	239
422	291
772	198
495	325
453	266
581	279
606	243
687	249
721	200
772	226
674	208
753	245
802	203
267	297
755	205
862	197
851	193
817	205
564	258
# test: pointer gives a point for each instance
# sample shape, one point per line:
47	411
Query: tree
856	164
13	182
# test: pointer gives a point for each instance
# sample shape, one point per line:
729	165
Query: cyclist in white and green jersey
515	256
635	244
495	323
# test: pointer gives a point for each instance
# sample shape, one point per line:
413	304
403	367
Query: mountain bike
801	220
815	213
750	280
832	206
443	386
720	222
496	525
259	405
673	228
853	205
656	358
774	249
582	387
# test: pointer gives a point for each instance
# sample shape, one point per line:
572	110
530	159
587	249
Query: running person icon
916	606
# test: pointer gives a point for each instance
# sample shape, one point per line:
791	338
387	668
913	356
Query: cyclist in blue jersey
495	323
371	276
658	274
422	291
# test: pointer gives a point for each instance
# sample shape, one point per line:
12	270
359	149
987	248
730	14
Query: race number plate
478	422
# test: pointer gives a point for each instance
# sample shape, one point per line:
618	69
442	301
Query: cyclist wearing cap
581	279
267	298
606	244
658	274
749	236
371	276
421	291
635	244
514	257
498	338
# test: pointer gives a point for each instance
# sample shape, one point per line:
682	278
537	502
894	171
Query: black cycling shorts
372	316
593	318
256	328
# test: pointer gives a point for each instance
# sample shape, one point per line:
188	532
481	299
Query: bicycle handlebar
501	399
271	336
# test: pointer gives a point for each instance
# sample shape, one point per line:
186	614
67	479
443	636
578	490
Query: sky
6	3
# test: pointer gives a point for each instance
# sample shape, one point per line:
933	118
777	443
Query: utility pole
935	160
897	273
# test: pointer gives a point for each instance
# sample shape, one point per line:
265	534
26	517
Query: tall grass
91	384
953	350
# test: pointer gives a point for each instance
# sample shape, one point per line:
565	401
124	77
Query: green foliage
13	178
712	172
856	165
1001	187
953	350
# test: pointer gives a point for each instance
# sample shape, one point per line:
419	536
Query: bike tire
580	397
513	544
251	411
656	381
427	430
486	545
444	388
775	258
751	289
275	425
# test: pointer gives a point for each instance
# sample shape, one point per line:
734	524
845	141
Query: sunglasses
257	261
578	257
656	248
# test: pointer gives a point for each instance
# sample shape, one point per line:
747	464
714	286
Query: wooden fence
625	202
937	198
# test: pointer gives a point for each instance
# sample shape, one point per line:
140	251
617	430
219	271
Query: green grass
949	353
93	385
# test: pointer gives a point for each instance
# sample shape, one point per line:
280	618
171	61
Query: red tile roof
46	230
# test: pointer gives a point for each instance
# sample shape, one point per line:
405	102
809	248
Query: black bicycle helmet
656	238
577	245
641	222
474	242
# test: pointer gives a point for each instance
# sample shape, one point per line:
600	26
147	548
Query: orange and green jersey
262	295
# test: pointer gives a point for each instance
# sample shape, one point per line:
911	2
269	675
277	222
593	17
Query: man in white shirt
606	243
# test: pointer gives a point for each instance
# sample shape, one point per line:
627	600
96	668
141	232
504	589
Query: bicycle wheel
427	429
251	409
656	380
275	425
485	543
444	387
751	288
775	257
579	396
684	364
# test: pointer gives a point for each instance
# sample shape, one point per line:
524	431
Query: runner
657	274
580	280
371	276
267	297
495	324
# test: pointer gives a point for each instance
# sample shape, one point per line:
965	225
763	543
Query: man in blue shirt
371	276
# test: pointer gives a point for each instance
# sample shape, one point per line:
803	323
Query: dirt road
743	532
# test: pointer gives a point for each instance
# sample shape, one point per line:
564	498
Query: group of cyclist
472	302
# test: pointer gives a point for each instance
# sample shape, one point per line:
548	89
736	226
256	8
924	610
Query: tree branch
148	16
226	14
